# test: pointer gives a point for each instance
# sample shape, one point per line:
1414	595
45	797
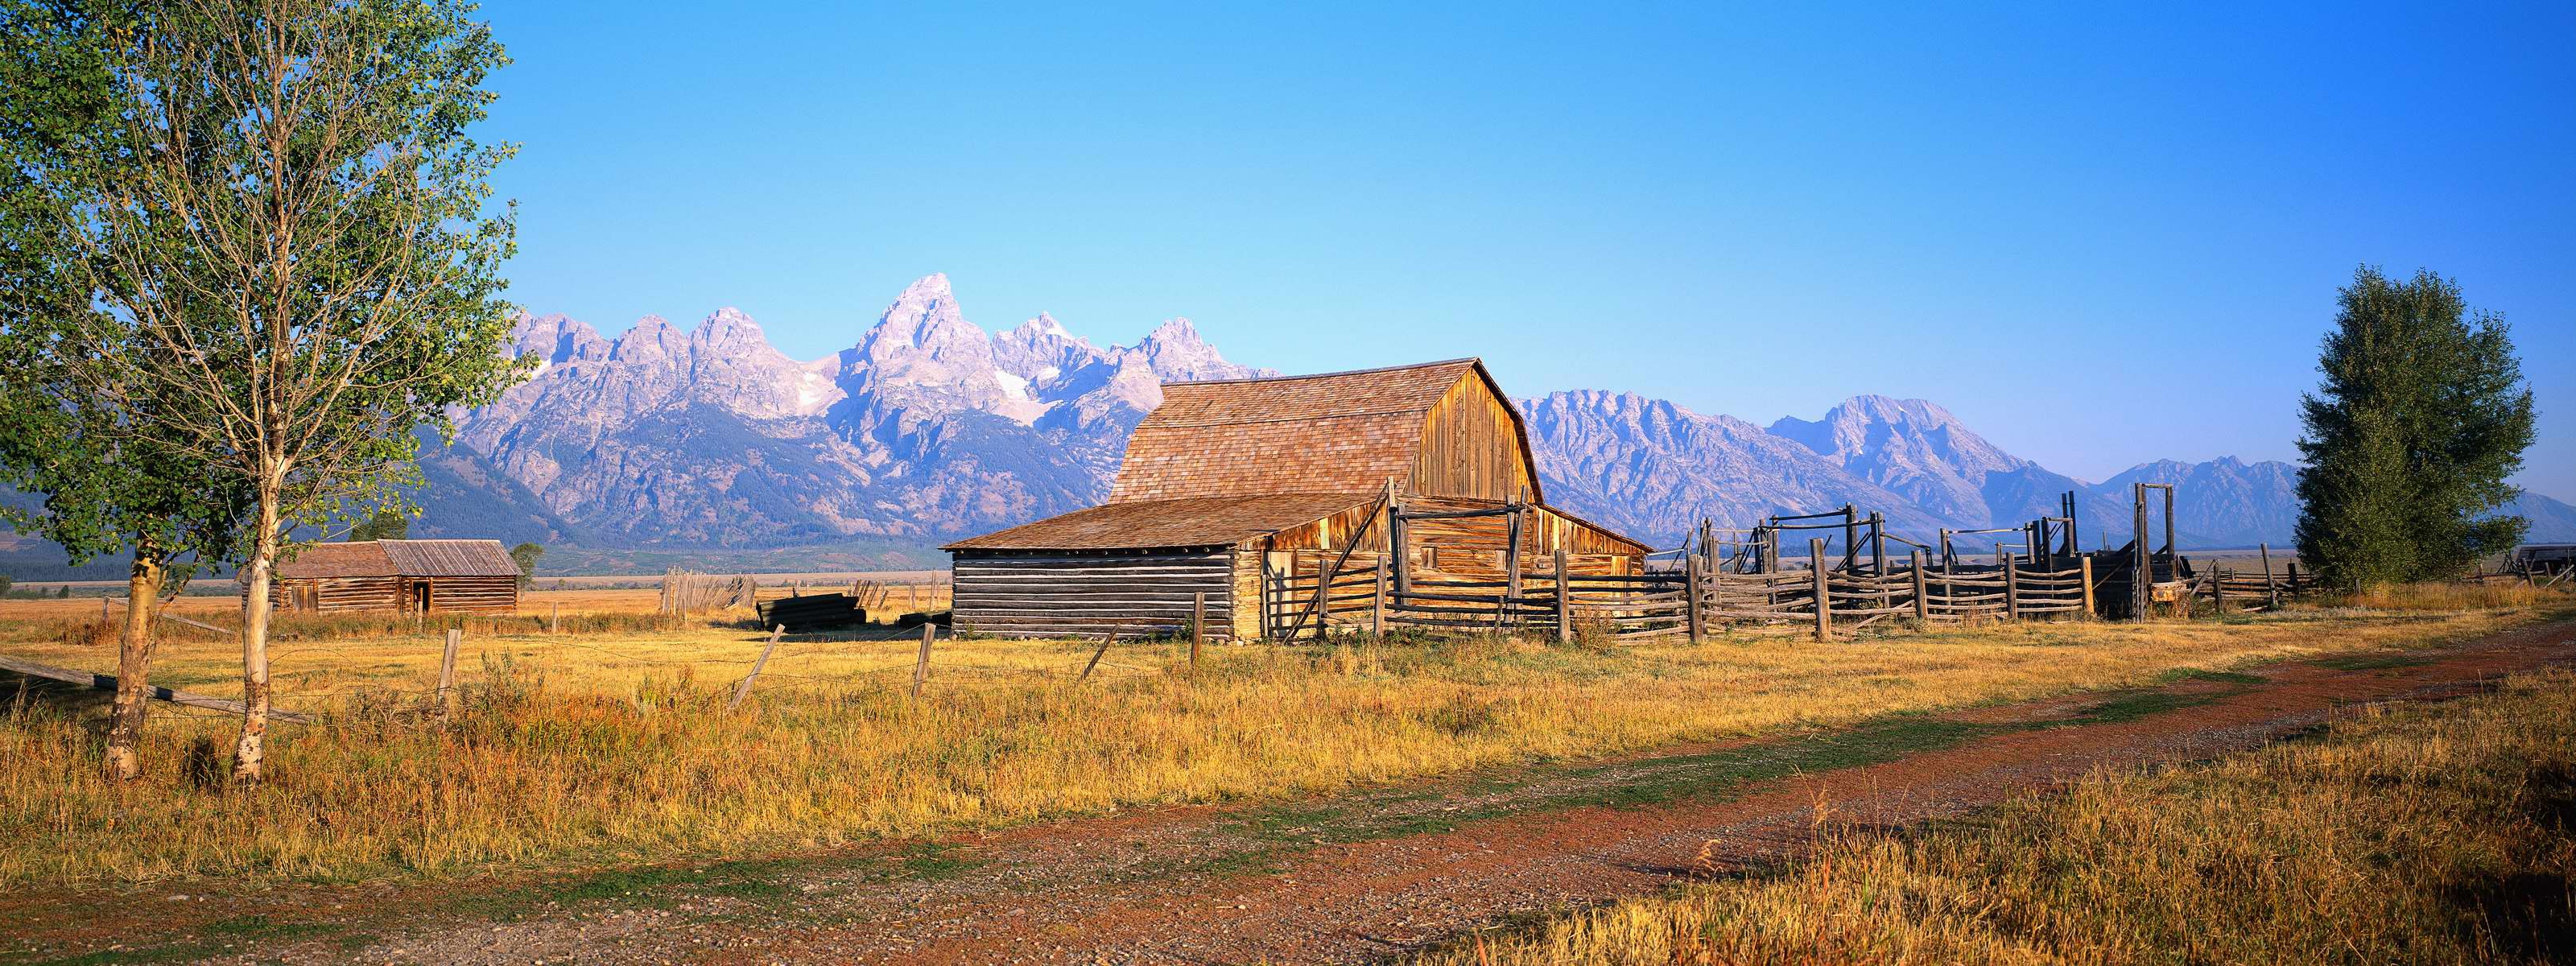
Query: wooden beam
2271	591
2012	587
1377	600
1564	606
921	666
743	690
1690	595
1824	593
107	682
1922	603
2140	585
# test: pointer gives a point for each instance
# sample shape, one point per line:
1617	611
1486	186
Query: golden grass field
2422	834
610	743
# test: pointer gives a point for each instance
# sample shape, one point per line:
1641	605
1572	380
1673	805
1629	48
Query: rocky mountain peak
728	329
652	339
1042	351
924	321
1175	353
556	339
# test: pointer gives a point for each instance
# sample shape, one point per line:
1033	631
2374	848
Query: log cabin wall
1244	623
447	595
469	595
1038	594
328	595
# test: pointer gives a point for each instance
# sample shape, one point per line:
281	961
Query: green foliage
280	216
525	555
384	524
107	490
4	585
2422	415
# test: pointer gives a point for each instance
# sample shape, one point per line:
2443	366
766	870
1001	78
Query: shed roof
361	559
1338	432
402	558
1187	522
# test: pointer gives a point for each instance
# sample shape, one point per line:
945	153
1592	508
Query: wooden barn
410	576
1258	492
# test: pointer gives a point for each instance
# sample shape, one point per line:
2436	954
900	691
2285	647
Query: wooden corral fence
1737	581
2236	589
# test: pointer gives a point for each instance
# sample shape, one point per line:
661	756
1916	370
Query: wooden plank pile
812	612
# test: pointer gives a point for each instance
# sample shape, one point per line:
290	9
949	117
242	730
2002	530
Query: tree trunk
133	666
255	589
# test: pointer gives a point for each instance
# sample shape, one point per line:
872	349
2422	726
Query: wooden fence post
921	665
2012	587
447	667
2293	577
1564	605
1377	600
1198	627
1690	595
2084	565
2271	593
1824	590
2142	583
1922	605
1323	594
1086	668
2218	587
743	690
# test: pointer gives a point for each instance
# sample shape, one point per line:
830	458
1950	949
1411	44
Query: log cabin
1251	494
408	576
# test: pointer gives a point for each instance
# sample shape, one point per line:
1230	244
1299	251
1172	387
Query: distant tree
525	555
384	524
64	591
284	222
4	585
2422	416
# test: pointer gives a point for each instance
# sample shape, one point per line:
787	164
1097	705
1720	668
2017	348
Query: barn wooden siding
1064	595
1472	447
1243	488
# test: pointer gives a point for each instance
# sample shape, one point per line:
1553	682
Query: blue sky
2099	236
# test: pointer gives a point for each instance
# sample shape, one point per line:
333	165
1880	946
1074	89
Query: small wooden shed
1233	489
409	576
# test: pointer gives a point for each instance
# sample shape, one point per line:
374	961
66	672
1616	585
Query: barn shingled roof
1190	522
364	558
1338	432
401	558
1223	460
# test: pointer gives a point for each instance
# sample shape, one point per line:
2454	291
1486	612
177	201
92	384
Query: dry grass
2454	596
603	749
2418	835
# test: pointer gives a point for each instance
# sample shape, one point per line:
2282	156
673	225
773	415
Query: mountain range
664	442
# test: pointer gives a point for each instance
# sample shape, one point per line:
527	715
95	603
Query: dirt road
1347	878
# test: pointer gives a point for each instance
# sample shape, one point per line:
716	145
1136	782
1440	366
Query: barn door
420	596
